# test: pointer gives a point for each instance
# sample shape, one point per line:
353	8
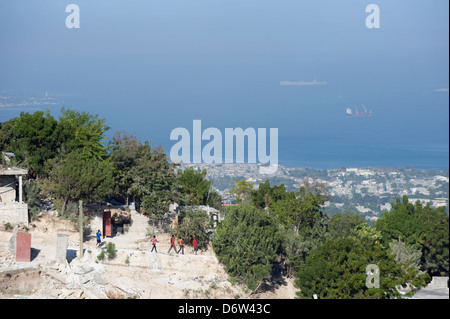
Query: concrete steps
139	223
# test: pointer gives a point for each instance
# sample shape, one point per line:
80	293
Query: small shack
12	208
107	218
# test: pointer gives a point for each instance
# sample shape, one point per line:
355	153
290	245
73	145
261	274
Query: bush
101	256
111	250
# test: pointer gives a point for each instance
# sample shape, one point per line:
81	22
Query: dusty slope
134	272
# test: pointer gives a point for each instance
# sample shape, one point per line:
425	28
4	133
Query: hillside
147	275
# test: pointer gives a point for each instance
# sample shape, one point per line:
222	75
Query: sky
150	66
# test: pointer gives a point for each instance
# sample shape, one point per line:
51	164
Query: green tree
125	152
337	270
35	140
265	196
215	200
421	227
242	190
194	224
405	254
33	197
6	135
305	222
73	177
261	196
248	242
83	131
155	183
194	186
342	224
302	211
296	247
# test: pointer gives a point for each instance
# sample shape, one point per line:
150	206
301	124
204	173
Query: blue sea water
334	152
360	143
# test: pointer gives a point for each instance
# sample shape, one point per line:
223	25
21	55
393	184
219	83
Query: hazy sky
151	66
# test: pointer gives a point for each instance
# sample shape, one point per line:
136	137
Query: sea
358	144
331	152
335	152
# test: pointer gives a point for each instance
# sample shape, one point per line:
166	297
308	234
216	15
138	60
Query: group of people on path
154	241
172	245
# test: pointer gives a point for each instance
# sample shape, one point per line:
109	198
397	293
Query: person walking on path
194	243
154	241
172	245
180	242
99	238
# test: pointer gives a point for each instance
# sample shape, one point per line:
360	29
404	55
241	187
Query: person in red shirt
194	243
172	245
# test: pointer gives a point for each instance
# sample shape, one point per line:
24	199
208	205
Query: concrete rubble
81	279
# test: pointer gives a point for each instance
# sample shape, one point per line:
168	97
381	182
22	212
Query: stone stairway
139	224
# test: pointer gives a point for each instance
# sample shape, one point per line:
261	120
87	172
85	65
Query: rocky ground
135	272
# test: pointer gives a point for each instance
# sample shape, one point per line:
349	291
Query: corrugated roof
13	171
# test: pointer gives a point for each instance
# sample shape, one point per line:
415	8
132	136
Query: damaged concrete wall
14	213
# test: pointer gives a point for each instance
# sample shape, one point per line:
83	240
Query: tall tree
124	156
194	186
303	211
6	135
337	270
83	131
248	242
261	197
242	190
35	140
155	183
342	224
421	227
73	176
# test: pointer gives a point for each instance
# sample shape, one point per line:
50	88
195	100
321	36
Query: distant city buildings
366	191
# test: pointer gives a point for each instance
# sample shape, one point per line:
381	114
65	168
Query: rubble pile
81	279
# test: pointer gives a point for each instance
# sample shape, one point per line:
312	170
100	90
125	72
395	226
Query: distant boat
359	114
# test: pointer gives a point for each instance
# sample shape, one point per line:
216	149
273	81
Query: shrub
111	250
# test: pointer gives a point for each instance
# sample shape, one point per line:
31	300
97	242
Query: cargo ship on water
359	114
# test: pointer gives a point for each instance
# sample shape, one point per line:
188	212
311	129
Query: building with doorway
99	218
